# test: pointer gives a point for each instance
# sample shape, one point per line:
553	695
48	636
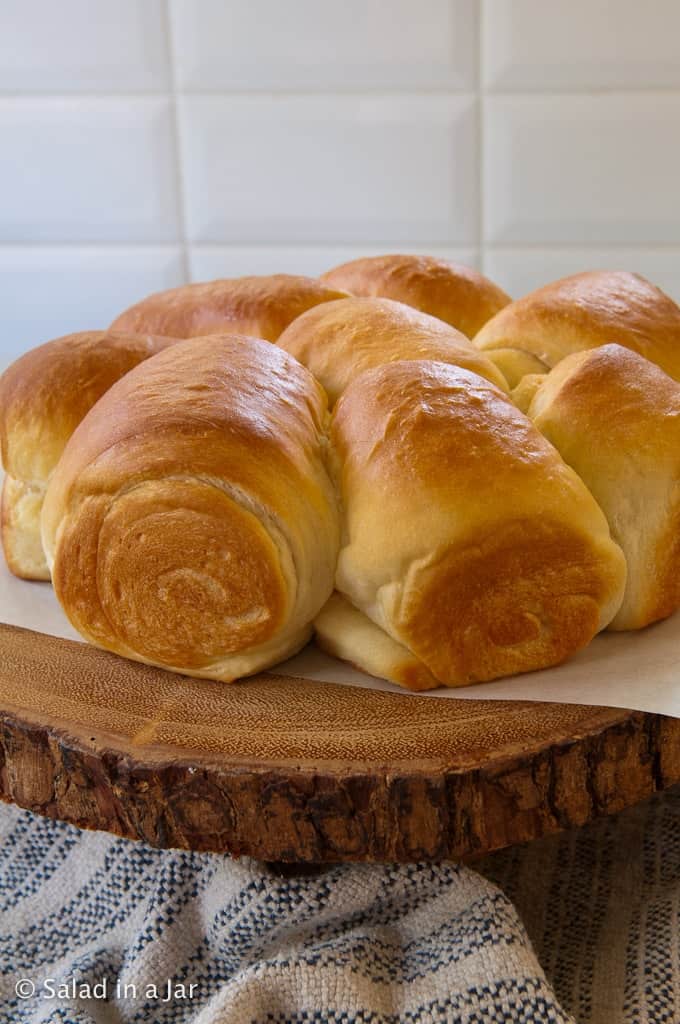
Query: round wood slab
291	770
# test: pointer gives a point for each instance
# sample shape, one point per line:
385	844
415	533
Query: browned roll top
587	310
261	306
450	291
338	341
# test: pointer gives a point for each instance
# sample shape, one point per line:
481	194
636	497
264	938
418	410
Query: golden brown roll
191	522
340	340
467	539
585	311
258	306
615	418
43	397
456	294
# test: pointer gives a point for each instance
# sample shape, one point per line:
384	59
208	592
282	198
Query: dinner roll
43	397
191	522
454	293
615	418
340	340
257	306
585	311
466	539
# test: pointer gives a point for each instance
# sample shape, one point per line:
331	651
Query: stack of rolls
468	542
192	523
583	311
446	486
338	341
43	397
458	295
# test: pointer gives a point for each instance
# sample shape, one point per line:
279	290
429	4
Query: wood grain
291	770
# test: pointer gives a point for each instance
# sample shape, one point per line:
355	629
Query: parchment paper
639	670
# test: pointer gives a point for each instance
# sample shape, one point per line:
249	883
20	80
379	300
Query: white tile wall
519	270
583	169
263	45
146	142
330	168
87	169
52	290
80	46
581	45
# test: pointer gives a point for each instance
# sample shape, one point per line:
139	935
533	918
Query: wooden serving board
291	770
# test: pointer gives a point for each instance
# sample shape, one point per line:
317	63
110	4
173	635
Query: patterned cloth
106	925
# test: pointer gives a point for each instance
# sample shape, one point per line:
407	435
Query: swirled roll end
176	572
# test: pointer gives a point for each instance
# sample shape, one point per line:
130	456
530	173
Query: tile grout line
370	92
481	155
655	247
273	93
179	170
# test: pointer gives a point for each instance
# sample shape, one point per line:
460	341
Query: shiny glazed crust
43	397
467	539
340	340
191	522
615	417
588	310
258	306
454	293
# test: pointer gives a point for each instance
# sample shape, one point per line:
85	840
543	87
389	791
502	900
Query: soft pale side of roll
346	633
191	522
261	306
615	417
523	394
340	340
467	540
585	311
450	291
516	365
43	397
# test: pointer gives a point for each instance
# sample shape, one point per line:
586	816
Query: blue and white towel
98	930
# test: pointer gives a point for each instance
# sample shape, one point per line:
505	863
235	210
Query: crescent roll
43	397
191	522
340	340
467	540
615	418
258	306
585	311
456	294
